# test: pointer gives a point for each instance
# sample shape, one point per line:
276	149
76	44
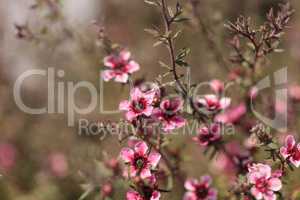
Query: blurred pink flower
294	92
58	164
119	67
213	103
291	151
232	115
140	160
208	134
217	86
199	190
140	104
169	114
133	195
7	156
264	182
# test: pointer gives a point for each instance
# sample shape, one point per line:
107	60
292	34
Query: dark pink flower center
262	185
202	191
140	161
140	105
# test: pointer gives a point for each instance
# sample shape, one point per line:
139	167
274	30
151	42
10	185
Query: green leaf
153	32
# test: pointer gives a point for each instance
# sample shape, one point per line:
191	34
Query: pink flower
213	103
7	156
150	195
264	182
169	114
294	92
199	190
58	165
119	67
139	104
232	115
217	86
140	161
291	151
208	134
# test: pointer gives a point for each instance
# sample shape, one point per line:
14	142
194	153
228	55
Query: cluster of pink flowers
149	103
264	182
120	66
144	104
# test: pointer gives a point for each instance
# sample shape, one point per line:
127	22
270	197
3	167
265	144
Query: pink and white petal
133	171
225	102
133	195
206	180
154	158
108	61
124	105
212	194
145	173
190	196
275	184
269	196
191	184
132	66
127	154
130	115
155	195
148	111
136	94
125	55
166	126
284	152
176	104
141	148
296	163
202	102
122	78
256	193
107	75
264	170
290	141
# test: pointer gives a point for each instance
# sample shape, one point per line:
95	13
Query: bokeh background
41	158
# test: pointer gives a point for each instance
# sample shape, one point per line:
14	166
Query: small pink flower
169	114
119	67
139	104
232	115
217	86
140	160
264	182
213	103
208	134
152	195
294	92
291	151
7	156
199	190
58	165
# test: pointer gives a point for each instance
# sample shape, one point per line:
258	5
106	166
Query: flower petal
225	102
141	148
127	154
275	184
146	173
154	159
132	66
122	78
124	105
108	75
206	180
290	141
191	184
155	195
256	193
190	196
